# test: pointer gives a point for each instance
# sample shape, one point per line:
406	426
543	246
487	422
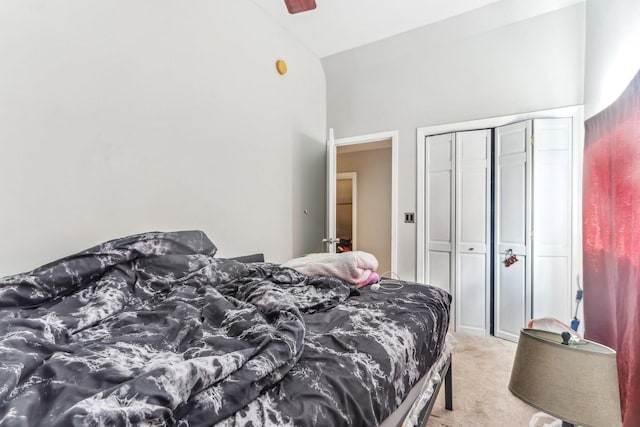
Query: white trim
421	229
576	211
364	139
421	207
576	112
394	136
453	271
528	294
494	122
329	239
353	177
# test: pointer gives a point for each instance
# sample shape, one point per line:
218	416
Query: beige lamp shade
577	383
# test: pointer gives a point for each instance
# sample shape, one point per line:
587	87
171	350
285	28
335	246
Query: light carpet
481	396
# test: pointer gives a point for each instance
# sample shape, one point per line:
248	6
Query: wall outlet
409	217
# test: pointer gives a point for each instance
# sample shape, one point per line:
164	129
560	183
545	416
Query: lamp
573	380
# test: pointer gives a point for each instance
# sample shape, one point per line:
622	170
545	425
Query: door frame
576	112
393	135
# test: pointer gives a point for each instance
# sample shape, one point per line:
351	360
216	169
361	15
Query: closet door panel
439	203
551	288
473	180
473	212
440	270
552	218
472	291
551	210
512	229
440	207
511	300
513	204
513	139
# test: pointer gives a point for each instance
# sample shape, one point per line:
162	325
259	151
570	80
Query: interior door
473	200
330	239
512	229
552	218
440	188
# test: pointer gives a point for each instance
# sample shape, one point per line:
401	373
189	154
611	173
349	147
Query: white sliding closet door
440	187
512	229
473	198
533	216
552	218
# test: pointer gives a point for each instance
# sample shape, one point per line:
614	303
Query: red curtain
611	232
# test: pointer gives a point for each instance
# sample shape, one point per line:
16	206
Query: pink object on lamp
551	324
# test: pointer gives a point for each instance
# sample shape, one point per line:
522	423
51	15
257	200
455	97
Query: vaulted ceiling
338	25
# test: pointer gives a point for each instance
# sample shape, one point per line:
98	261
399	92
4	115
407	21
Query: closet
458	224
495	194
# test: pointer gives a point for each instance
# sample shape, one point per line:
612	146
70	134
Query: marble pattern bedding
154	330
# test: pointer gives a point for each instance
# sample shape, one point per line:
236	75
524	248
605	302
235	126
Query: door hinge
531	139
531	235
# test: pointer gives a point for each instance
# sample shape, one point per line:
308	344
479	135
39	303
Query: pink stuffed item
552	325
374	278
355	267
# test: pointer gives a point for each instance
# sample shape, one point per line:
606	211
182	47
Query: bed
153	329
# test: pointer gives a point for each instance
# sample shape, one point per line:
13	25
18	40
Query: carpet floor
481	396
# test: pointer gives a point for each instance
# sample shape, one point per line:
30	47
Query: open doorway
371	222
375	177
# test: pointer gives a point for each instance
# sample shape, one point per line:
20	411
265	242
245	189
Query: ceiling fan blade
297	6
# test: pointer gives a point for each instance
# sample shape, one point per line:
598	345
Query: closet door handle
470	249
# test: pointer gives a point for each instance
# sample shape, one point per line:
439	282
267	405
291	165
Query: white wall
374	201
119	117
469	67
611	52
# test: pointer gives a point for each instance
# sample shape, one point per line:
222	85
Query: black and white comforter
153	330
